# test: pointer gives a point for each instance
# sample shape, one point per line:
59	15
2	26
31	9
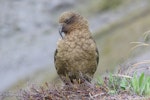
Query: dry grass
69	91
84	91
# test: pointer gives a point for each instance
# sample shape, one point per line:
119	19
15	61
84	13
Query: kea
76	55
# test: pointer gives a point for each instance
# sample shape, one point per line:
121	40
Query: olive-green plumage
76	52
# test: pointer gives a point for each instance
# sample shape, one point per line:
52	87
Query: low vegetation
122	83
117	87
111	87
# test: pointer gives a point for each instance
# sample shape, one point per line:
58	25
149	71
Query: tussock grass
116	87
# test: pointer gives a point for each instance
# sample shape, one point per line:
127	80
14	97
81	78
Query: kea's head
71	21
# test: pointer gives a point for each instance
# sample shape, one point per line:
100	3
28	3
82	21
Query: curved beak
61	30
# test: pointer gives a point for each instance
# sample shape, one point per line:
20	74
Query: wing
55	55
59	65
97	56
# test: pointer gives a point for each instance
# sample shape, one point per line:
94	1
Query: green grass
116	84
141	85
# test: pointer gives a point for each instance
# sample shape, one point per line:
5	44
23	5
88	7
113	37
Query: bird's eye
67	21
70	20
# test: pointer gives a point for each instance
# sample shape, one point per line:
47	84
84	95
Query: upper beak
61	30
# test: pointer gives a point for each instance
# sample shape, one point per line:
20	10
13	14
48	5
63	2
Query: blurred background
29	33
